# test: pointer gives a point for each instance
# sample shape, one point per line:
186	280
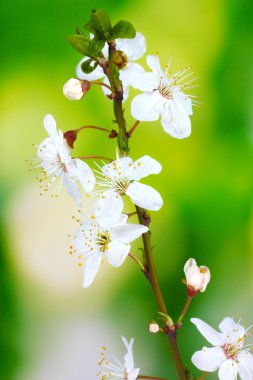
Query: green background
50	326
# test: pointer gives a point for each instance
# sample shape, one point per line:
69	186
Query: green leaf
88	66
99	24
96	46
81	44
123	29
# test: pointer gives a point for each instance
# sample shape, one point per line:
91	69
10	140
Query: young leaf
99	24
123	29
96	46
88	66
81	44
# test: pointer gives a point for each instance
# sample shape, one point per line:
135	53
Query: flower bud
74	89
153	328
197	278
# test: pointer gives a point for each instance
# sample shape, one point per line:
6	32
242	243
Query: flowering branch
98	128
189	298
137	261
131	131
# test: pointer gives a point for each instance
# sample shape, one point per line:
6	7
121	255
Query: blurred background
51	328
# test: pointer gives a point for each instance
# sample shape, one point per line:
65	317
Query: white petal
91	267
189	264
50	125
143	167
88	231
133	375
245	365
211	335
154	64
134	48
81	171
144	196
144	106
117	253
209	359
175	120
108	209
145	81
128	232
118	168
128	76
106	90
232	330
94	75
72	188
128	358
228	370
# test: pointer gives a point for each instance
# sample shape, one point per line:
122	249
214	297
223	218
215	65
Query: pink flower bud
197	278
153	328
74	89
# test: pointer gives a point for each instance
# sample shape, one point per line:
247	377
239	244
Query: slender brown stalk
93	127
189	298
104	85
99	157
137	261
202	377
131	131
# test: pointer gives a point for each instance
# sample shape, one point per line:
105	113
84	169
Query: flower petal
134	48
144	196
133	375
144	106
245	365
91	267
128	358
228	370
128	232
117	253
81	171
143	167
94	75
72	188
175	120
50	125
108	209
232	330
209	359
145	81
128	76
211	335
154	64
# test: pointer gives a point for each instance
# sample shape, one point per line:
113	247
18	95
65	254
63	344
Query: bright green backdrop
206	180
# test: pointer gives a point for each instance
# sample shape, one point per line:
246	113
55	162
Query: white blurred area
63	324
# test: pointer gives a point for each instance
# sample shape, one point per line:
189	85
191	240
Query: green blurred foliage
206	181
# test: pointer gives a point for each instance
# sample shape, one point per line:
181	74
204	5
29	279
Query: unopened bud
153	328
197	278
75	89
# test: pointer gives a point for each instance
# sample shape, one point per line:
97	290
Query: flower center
231	350
120	59
103	240
121	184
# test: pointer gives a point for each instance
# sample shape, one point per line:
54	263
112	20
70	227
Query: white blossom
115	369
230	355
57	166
153	328
121	177
106	234
197	278
74	89
164	97
133	49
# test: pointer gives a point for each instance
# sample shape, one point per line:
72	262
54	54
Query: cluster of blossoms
105	233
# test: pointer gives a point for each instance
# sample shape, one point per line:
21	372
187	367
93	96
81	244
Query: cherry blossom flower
164	97
117	370
197	278
122	176
75	89
132	49
106	234
58	167
230	356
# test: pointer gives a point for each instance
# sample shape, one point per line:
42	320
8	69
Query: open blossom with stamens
164	97
122	177
197	278
105	235
130	50
230	356
115	369
57	166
